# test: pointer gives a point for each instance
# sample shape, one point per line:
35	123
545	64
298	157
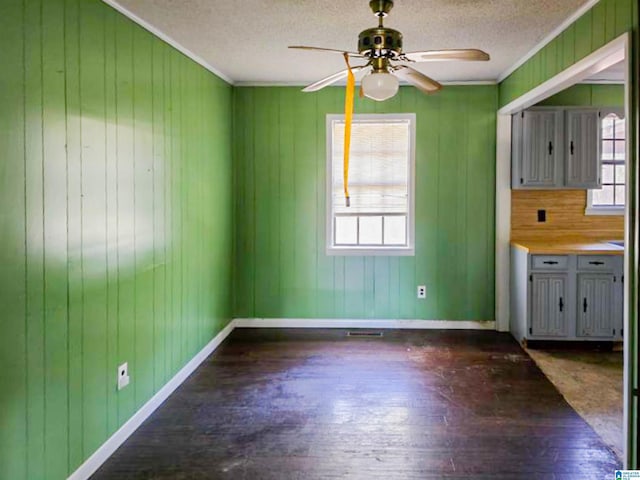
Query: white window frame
391	250
609	209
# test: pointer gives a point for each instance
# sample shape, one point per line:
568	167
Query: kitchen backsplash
565	217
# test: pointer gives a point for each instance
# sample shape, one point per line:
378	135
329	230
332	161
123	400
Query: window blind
378	169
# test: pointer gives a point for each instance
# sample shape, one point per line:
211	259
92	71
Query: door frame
613	52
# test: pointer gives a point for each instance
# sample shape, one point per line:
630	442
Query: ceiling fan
381	47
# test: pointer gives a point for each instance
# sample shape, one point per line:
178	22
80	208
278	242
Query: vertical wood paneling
158	193
480	204
238	203
176	208
551	66
455	149
74	233
55	241
583	38
13	342
125	199
116	221
111	187
263	220
598	34
167	208
610	20
143	215
325	269
183	194
272	146
34	238
93	221
305	204
593	95
286	205
452	198
427	193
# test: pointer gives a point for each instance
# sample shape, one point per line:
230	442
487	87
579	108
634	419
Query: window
610	198
379	220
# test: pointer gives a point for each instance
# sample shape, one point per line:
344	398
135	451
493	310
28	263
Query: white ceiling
246	40
614	74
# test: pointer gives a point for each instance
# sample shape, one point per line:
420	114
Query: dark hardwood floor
316	404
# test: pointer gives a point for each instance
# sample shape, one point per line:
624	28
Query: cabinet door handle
550	262
561	304
571	148
584	305
550	148
596	263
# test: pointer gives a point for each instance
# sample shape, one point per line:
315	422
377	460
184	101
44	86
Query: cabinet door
583	148
540	154
548	305
596	308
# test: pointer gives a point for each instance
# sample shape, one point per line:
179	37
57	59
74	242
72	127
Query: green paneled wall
115	225
607	20
594	95
282	270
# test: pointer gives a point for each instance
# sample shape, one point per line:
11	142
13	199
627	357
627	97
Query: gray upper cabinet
548	304
596	305
583	148
556	148
537	149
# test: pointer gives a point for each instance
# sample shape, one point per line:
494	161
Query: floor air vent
364	333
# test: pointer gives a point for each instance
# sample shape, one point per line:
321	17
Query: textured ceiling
247	40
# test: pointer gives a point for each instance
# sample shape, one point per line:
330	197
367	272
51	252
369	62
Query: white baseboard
94	462
360	323
107	449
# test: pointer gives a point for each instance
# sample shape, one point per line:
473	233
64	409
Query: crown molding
342	84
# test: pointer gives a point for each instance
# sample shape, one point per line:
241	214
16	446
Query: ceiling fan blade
332	50
467	54
417	79
314	87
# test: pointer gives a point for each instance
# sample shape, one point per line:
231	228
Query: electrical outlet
123	376
542	215
422	291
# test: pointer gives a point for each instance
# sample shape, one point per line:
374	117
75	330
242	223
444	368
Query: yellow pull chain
348	118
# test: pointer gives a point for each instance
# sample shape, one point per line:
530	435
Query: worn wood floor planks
316	404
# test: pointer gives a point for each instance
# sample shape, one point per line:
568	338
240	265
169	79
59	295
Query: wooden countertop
557	248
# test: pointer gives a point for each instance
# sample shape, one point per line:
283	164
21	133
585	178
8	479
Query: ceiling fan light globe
380	86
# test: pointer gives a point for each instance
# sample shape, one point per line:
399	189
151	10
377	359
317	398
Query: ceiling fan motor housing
380	42
381	7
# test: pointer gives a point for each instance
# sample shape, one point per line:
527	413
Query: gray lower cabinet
547	306
596	305
566	297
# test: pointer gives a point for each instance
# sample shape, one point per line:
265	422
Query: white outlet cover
422	291
123	376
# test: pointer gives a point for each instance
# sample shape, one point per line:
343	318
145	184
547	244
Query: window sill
604	211
371	252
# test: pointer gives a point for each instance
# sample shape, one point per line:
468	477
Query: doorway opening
612	57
